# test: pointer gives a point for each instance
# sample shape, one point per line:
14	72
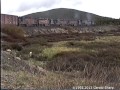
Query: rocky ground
65	29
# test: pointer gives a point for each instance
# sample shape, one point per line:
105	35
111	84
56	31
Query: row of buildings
28	21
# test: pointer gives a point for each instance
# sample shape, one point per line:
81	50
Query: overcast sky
108	8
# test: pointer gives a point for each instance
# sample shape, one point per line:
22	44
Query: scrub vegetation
87	60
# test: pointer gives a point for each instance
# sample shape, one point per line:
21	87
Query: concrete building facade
9	19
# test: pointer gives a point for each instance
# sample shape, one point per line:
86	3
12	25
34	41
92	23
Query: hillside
64	13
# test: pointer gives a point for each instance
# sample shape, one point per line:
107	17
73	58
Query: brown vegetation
68	60
14	33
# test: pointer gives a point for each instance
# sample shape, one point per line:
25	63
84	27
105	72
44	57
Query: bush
14	31
16	46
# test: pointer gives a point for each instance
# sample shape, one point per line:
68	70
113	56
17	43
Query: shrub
16	46
14	31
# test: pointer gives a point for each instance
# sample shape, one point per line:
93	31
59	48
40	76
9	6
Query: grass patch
73	63
51	52
38	40
97	44
50	81
36	49
108	39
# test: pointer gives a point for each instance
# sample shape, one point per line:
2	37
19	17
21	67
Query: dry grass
108	39
24	80
14	31
73	63
97	60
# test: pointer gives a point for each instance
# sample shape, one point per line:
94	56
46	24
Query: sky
107	8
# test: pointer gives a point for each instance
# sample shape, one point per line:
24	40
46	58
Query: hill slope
63	13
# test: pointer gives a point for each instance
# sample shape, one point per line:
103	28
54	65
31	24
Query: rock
30	54
8	50
18	58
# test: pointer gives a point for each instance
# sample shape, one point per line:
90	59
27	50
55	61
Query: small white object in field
18	58
8	50
30	54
